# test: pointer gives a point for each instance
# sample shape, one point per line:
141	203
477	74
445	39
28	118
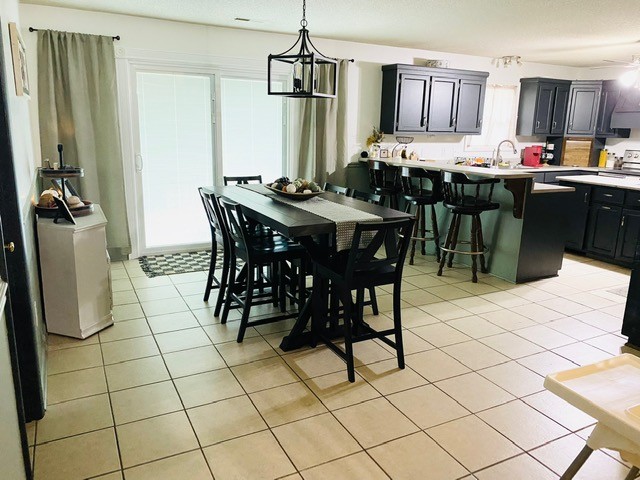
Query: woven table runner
344	217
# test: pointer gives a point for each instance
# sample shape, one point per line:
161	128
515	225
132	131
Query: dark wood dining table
315	233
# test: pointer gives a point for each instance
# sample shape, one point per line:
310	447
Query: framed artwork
384	153
19	55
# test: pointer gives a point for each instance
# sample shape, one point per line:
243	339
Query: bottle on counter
602	159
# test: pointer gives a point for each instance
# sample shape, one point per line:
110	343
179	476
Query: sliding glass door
175	156
181	141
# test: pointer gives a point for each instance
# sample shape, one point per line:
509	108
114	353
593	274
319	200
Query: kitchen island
525	238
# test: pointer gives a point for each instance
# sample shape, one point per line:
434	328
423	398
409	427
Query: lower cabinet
578	206
604	226
628	236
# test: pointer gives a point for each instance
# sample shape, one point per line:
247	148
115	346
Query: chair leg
230	289
397	323
348	344
374	301
415	233
423	222
483	267
436	233
246	310
282	285
274	283
454	239
359	306
577	463
474	246
447	244
633	474
222	292
212	271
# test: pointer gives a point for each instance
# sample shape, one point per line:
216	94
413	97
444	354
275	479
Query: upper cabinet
542	107
611	93
431	100
583	108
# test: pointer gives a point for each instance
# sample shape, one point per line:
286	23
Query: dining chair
374	198
258	252
329	187
242	180
376	258
219	238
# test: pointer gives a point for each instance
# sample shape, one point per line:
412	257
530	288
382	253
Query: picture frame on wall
19	56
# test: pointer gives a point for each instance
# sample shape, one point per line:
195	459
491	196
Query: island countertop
631	182
525	236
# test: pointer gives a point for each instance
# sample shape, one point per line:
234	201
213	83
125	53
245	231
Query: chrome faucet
498	157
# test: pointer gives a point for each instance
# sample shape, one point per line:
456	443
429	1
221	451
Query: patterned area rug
157	265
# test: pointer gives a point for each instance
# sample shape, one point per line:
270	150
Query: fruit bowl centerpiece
299	189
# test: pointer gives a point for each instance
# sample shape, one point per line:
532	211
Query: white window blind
177	153
253	130
498	121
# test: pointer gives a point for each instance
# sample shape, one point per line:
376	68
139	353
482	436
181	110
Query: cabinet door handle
453	122
586	194
538	124
605	208
609	195
622	223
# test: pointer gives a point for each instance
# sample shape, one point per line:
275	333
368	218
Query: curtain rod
31	29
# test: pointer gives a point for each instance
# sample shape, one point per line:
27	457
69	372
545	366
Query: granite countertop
631	182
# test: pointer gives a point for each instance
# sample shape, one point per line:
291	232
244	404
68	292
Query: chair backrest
236	222
416	181
453	188
242	180
328	187
378	245
217	223
381	174
368	197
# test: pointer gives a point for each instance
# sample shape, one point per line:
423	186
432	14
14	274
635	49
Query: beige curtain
77	100
323	133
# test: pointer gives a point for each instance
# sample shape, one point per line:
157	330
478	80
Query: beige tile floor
167	393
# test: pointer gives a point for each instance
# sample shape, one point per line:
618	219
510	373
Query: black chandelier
313	75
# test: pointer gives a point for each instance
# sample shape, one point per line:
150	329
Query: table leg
633	474
577	463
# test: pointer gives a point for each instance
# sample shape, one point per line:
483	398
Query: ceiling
563	32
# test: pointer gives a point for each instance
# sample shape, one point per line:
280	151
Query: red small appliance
532	156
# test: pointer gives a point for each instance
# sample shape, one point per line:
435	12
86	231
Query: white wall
244	45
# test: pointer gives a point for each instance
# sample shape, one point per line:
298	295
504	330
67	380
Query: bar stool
469	203
415	182
383	180
329	187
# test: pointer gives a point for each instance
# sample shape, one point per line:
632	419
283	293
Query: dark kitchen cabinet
577	204
584	100
560	104
604	225
413	102
542	106
443	101
431	100
470	106
628	236
610	96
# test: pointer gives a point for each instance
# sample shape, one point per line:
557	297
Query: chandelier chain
303	22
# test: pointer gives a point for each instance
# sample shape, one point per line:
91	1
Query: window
253	129
498	121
